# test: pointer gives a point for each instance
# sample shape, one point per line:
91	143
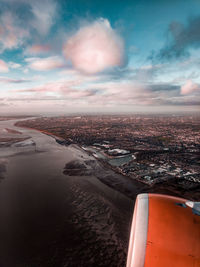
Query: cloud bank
95	47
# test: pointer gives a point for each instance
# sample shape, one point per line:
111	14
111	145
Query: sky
80	56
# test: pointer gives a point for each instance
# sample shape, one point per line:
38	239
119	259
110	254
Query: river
49	219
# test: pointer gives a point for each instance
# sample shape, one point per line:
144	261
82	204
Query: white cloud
45	64
14	65
95	47
26	70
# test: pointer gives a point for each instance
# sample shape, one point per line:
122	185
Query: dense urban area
151	149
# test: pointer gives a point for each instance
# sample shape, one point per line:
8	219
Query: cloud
126	94
14	65
44	15
190	87
122	93
11	35
10	80
26	70
45	64
181	39
3	66
146	73
21	20
95	47
165	87
38	49
58	90
113	93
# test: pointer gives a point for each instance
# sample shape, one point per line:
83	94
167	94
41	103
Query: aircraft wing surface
165	232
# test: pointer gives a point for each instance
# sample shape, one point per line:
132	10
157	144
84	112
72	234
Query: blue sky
58	57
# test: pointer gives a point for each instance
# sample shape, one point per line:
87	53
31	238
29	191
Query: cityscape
150	149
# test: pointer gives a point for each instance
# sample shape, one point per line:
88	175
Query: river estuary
50	219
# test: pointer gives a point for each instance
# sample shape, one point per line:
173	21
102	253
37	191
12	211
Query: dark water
50	219
118	161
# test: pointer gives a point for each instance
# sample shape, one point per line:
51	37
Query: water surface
50	219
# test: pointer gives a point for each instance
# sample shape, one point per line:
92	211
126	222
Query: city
154	150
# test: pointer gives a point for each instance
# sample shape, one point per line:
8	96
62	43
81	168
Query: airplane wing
165	232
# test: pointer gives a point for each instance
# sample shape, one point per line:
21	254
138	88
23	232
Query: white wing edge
139	230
